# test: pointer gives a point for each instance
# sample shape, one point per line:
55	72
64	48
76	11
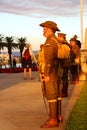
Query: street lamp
81	20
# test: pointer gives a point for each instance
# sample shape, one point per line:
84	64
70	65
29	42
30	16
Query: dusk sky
22	18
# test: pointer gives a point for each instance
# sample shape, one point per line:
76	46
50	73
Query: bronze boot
59	115
52	121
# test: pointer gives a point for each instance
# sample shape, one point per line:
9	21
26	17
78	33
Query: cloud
43	8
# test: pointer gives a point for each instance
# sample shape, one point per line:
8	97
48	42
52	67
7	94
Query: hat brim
49	26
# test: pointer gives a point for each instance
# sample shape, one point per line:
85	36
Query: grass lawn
78	116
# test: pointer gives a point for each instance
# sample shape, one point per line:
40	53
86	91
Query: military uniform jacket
76	50
50	55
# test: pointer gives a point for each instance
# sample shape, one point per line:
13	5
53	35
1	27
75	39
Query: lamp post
81	20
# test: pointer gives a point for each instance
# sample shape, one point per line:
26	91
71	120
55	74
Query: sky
22	18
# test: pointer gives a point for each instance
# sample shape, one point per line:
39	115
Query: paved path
22	106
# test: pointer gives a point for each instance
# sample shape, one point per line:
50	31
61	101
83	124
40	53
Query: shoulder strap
54	39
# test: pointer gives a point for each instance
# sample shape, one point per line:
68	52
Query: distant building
4	57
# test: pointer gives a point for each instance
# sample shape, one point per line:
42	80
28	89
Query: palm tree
1	43
21	44
10	45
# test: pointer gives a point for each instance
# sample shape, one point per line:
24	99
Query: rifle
44	99
42	80
35	59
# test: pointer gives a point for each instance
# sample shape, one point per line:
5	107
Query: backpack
63	50
65	55
27	54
